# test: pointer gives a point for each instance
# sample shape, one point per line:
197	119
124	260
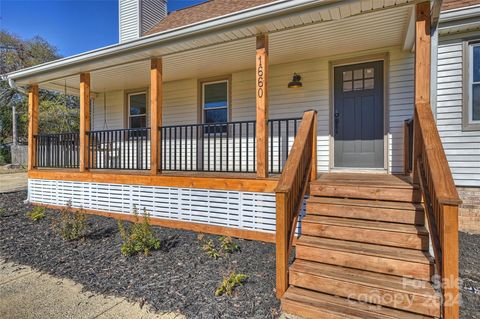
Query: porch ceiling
288	43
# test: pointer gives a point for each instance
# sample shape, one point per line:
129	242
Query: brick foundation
469	212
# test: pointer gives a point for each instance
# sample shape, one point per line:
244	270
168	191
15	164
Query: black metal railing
225	147
408	146
281	133
57	150
122	149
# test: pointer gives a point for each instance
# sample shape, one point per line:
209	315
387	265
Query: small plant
2	211
37	213
228	245
70	225
139	237
209	248
229	283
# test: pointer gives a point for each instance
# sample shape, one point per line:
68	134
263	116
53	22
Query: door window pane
369	84
358	85
347	86
369	72
347	75
358	74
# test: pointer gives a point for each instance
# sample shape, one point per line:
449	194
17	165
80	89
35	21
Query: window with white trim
215	102
137	110
472	107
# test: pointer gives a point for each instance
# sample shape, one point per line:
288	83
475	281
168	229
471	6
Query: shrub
139	237
229	283
70	225
209	248
228	245
37	213
2	211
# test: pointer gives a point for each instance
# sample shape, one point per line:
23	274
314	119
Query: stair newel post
282	240
449	244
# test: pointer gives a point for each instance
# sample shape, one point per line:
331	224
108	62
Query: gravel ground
180	277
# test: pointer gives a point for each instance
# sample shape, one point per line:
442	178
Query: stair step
387	211
377	258
364	186
374	232
312	305
386	290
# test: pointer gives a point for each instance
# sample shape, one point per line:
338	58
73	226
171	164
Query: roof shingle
203	11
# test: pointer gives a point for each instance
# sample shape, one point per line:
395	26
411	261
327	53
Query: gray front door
358	115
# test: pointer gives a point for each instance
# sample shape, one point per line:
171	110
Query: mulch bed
470	275
180	277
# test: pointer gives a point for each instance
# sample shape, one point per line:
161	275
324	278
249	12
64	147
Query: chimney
138	16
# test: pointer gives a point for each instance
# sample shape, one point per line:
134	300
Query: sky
73	26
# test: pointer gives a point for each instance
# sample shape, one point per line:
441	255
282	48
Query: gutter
277	8
13	85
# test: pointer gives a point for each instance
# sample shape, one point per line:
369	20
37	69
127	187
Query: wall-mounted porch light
296	81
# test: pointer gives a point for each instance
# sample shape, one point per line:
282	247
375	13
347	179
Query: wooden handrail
441	200
299	169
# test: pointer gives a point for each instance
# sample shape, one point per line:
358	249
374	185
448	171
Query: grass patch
139	237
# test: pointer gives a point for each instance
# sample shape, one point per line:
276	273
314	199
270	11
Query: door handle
337	120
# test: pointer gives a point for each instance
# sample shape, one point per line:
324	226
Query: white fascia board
270	10
460	14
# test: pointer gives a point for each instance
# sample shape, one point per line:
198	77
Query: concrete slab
13	182
29	294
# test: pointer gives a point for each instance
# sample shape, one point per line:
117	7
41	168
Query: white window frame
215	108
468	123
139	115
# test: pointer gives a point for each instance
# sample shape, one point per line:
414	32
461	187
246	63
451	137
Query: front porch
218	138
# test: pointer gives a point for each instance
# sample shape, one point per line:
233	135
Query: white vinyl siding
129	24
114	117
181	99
152	11
315	94
462	147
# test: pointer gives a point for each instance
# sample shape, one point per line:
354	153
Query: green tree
58	113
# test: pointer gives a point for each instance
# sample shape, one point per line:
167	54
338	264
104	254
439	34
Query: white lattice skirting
243	210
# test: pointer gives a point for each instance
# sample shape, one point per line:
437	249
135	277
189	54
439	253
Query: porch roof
230	39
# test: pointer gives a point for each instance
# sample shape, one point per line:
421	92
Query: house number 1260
260	78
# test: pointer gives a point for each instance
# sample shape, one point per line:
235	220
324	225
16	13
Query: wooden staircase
363	251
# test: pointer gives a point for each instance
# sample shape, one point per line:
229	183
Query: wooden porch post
422	71
32	125
84	119
262	105
156	87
